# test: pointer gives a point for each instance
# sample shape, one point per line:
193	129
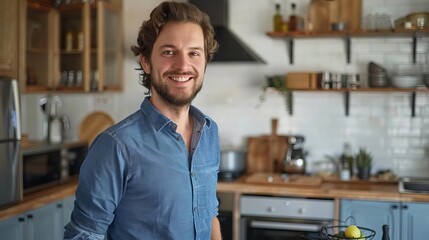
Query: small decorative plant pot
364	173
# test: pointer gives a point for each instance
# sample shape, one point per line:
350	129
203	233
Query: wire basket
333	233
337	232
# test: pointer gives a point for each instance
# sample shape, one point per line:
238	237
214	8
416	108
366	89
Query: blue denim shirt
139	181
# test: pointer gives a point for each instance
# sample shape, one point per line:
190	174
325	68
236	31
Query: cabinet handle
21	219
30	216
404	206
395	206
59	205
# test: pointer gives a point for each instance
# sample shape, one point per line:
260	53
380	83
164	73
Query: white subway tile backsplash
380	122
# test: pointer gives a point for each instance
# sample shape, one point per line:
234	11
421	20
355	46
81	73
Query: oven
275	218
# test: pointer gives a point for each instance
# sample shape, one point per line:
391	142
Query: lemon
352	232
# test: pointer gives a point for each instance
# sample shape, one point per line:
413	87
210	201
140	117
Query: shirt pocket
205	191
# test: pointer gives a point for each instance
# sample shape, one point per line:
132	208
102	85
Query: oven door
257	228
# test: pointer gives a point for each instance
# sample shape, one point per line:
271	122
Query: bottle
293	21
68	40
347	160
277	19
385	232
79	40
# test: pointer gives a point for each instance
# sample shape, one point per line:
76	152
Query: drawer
264	206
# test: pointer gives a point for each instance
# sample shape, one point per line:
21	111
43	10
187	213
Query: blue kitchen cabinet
68	205
42	223
407	220
415	221
372	215
12	228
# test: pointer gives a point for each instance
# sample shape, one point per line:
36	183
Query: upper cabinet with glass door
106	60
9	12
41	47
85	52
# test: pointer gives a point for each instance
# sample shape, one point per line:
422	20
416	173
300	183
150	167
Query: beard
172	99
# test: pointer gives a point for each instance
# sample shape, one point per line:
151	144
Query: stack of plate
377	76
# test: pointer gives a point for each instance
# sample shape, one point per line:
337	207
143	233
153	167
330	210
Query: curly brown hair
177	12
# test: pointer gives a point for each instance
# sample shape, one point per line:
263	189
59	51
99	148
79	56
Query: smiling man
154	174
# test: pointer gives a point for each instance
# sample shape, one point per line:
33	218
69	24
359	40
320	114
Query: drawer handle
302	210
271	209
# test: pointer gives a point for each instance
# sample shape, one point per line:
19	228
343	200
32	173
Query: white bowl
405	81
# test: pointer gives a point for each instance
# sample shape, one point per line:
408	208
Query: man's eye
196	54
168	52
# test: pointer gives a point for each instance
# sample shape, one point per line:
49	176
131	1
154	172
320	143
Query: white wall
380	122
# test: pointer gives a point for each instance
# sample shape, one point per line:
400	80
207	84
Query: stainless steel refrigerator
10	136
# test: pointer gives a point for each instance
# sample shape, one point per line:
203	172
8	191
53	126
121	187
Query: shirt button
193	174
195	209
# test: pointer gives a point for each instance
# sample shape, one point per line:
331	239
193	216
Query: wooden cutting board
323	13
290	180
93	124
266	153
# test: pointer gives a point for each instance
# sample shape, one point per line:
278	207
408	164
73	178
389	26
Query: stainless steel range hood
231	48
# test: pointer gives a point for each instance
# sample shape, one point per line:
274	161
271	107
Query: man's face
177	63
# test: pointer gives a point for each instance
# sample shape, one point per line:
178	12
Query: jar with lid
68	40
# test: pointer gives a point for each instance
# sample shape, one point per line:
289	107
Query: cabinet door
74	46
373	214
415	221
9	38
68	205
12	228
41	65
45	223
108	60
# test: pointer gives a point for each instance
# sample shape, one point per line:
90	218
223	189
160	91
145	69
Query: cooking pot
232	164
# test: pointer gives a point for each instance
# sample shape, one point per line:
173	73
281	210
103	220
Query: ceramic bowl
405	81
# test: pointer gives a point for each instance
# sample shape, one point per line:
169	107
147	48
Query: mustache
177	72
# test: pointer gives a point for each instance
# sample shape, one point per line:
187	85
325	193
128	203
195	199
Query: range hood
231	48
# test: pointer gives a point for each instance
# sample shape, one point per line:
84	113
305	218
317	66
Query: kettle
294	162
56	123
57	127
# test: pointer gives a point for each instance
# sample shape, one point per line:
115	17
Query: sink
413	185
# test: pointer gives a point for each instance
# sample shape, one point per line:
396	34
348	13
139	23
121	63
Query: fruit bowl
337	233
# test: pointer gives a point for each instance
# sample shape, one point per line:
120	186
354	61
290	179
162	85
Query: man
154	174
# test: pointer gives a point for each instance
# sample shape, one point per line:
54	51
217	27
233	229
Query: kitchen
378	121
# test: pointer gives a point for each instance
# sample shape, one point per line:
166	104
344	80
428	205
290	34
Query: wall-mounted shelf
347	35
346	92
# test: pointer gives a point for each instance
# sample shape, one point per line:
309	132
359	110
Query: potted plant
363	161
277	82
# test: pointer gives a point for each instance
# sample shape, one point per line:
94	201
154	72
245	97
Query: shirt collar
159	121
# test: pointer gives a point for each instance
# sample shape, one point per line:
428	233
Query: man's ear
145	65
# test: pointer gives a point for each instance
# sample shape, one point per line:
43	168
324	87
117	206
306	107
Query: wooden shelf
346	92
347	35
362	33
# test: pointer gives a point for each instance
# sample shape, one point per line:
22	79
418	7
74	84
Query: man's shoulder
129	123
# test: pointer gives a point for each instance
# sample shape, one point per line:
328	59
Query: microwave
50	165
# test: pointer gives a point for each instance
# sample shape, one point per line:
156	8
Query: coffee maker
294	162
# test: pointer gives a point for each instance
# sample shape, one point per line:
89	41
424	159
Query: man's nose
182	61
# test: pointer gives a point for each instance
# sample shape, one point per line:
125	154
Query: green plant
363	159
278	83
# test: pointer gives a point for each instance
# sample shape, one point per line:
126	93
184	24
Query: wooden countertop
39	199
354	189
364	190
